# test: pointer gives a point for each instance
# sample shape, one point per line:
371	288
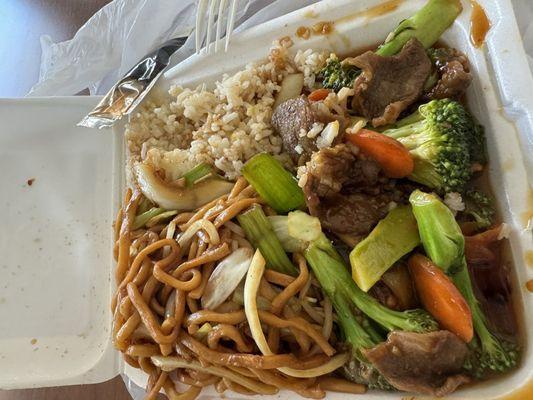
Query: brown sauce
523	393
376	11
529	285
303	32
320	28
479	24
529	258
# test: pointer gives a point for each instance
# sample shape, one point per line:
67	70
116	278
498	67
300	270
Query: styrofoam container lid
56	238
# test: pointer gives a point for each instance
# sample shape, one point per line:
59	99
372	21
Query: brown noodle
160	326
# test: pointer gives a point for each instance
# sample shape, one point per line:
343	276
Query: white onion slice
175	198
226	277
251	286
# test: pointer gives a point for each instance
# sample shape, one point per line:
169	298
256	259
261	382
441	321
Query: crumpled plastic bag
103	50
124	31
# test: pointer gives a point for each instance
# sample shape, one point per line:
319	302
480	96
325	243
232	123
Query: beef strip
388	85
347	192
291	118
427	363
453	69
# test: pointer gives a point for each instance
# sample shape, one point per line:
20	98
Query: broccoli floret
477	144
427	25
356	309
479	208
440	136
335	76
489	353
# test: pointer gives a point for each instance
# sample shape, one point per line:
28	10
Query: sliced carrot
441	298
318	94
392	156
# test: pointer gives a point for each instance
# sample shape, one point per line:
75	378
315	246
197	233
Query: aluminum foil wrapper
123	97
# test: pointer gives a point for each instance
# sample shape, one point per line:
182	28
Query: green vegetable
359	313
160	218
335	279
142	219
335	76
488	353
273	183
198	173
433	215
280	224
260	233
349	302
203	331
392	238
427	25
479	208
441	136
303	227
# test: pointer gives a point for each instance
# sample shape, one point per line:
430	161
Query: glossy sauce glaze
320	28
479	24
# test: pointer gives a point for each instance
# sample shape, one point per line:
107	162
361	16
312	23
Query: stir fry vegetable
441	298
273	183
443	140
201	171
260	233
393	237
392	156
177	198
446	250
479	208
427	25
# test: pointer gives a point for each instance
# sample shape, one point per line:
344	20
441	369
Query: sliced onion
281	229
176	198
172	363
251	287
226	277
291	87
207	226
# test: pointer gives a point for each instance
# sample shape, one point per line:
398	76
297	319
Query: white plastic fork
214	12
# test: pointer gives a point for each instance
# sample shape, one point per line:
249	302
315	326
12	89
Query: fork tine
200	17
231	21
220	21
210	24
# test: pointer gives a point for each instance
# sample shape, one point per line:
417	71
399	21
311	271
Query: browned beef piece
335	167
454	74
388	85
427	363
347	192
291	118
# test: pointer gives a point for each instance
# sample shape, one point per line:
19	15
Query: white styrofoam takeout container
56	237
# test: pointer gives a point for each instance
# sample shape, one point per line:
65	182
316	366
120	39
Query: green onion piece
142	219
160	218
198	173
260	233
144	205
273	183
